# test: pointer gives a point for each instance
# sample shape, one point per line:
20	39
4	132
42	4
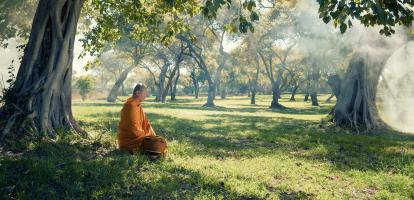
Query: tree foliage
385	13
85	85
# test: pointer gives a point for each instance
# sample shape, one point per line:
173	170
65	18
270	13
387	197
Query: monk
134	125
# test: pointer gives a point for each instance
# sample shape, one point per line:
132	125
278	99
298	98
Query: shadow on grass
325	109
234	136
63	169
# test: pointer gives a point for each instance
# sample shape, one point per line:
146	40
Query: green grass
234	151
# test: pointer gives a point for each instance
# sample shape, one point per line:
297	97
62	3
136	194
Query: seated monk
134	126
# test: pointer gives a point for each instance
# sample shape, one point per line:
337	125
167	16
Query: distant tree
276	45
85	85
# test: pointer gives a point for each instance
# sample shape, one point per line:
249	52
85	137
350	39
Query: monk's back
131	128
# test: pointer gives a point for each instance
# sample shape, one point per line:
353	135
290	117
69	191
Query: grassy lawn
234	151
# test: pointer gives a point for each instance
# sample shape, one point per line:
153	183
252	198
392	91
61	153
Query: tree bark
113	94
334	81
355	105
40	99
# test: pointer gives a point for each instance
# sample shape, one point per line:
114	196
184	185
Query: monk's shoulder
132	104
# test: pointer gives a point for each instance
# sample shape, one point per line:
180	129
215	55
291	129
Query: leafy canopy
385	13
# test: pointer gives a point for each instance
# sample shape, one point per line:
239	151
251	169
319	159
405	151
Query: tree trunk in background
218	87
113	94
223	92
174	88
40	99
123	92
275	98
211	94
164	95
212	87
169	85
253	98
195	83
161	81
314	85
253	85
330	98
202	65
355	105
295	89
306	96
314	99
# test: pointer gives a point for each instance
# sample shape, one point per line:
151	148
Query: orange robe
133	126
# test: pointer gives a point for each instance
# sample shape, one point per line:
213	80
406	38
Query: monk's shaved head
139	88
140	92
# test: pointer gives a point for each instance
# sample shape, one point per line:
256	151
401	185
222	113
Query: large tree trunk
113	94
40	99
355	105
334	81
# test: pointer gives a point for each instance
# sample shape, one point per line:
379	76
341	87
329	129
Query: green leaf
254	16
250	5
343	27
326	19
